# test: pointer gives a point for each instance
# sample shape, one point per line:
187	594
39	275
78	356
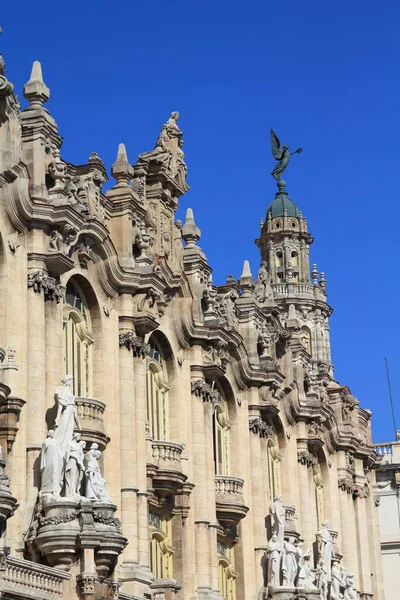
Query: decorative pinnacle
121	170
35	90
314	273
190	232
322	280
246	270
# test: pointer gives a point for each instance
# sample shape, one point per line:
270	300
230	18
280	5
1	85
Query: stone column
365	583
305	522
259	491
210	471
139	363
36	385
129	518
200	492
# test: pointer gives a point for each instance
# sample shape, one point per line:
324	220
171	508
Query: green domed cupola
282	204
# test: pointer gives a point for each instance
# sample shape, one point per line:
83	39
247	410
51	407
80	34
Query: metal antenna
391	397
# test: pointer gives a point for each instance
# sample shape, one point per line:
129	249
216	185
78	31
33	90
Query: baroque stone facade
199	446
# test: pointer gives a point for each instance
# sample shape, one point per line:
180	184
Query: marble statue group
66	470
289	565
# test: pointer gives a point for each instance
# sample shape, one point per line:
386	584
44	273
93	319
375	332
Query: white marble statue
336	582
274	551
322	580
95	483
349	591
74	468
289	562
67	417
51	466
277	511
305	579
326	547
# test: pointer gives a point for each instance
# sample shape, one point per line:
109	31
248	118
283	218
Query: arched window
279	259
274	466
294	259
157	392
77	340
306	339
221	430
226	571
160	547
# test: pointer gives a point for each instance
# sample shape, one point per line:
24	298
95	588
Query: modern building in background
387	500
163	437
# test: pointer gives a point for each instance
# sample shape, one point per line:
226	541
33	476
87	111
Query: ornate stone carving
62	241
307	458
350	463
263	289
143	242
86	583
274	552
260	427
95	484
202	389
134	343
345	485
40	282
278	512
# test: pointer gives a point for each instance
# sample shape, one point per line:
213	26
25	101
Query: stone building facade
235	467
387	498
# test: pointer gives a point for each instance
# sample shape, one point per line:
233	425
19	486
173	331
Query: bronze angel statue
282	154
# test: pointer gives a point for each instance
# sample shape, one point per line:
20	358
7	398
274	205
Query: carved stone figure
322	580
67	417
305	579
228	305
264	341
263	290
326	547
58	171
289	562
277	511
274	551
349	591
61	241
336	583
74	468
51	466
95	484
281	154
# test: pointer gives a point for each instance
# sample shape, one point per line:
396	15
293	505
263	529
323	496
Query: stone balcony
164	467
24	579
91	415
229	500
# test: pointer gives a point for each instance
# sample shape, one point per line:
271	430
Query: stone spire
190	232
35	90
121	170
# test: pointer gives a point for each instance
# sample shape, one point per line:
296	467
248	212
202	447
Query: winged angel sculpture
282	154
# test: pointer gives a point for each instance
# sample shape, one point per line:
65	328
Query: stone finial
121	170
322	280
246	281
190	232
35	90
314	273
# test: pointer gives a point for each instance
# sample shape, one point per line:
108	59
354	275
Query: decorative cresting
24	579
40	282
229	500
201	389
260	427
134	343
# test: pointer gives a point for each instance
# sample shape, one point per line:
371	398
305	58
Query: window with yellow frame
221	433
160	548
226	571
157	392
77	340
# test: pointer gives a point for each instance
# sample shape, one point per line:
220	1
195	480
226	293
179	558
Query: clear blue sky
323	75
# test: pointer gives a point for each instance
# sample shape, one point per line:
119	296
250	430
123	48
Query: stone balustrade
26	579
388	453
166	451
229	499
91	415
225	485
284	290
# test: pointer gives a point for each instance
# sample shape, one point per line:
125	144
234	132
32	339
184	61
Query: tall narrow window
159	546
77	340
274	467
319	492
226	571
221	429
306	339
157	393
